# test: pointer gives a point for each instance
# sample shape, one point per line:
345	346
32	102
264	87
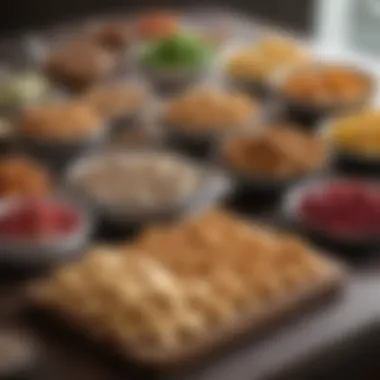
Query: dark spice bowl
343	242
123	217
49	250
256	191
309	113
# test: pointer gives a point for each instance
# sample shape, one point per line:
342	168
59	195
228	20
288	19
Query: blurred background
24	14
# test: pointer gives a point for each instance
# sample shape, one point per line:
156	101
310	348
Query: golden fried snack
323	85
264	59
177	285
208	110
60	122
22	177
357	134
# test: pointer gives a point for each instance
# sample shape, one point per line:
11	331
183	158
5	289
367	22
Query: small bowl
169	79
27	253
309	115
7	138
354	164
350	163
214	187
131	119
121	123
355	245
56	155
41	91
256	87
256	193
255	190
173	80
112	101
195	145
203	144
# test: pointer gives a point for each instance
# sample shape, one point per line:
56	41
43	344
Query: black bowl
58	155
352	245
259	89
347	162
8	145
204	143
356	165
123	123
258	194
195	145
310	115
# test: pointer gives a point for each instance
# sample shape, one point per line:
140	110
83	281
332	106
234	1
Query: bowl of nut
130	189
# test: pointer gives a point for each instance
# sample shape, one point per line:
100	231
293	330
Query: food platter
330	284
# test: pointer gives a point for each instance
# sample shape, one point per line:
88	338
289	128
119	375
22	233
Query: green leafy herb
177	51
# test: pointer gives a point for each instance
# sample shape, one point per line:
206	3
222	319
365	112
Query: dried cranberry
343	208
38	219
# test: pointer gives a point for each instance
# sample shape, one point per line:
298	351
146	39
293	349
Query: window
349	25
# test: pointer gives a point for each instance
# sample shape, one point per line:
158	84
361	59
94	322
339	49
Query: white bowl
213	186
50	251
